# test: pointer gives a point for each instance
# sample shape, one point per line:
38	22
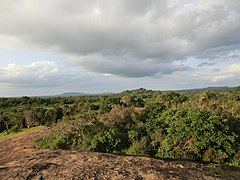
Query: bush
235	160
138	147
119	117
111	140
196	135
152	111
56	140
14	129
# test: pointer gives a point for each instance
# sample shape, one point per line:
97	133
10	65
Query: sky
50	47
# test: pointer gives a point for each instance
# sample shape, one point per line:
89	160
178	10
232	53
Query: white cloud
43	68
34	73
231	71
221	74
11	70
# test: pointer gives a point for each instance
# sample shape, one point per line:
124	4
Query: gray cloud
128	67
130	38
206	64
48	77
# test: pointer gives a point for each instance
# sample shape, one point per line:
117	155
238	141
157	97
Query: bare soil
20	160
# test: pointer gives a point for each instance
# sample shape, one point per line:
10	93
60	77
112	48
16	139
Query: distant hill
203	89
82	94
142	90
71	94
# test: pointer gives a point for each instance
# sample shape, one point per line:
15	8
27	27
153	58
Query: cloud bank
128	38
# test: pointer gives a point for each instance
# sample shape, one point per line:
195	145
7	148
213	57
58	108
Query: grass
4	135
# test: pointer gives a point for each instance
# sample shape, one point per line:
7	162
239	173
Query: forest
202	126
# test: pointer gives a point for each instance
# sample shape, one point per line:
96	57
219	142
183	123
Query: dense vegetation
201	126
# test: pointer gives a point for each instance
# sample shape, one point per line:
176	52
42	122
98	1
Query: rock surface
18	160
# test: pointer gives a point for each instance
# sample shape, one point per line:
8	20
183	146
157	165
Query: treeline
200	126
26	112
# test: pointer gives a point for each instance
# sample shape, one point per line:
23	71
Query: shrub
57	140
119	117
111	140
196	135
152	111
14	129
138	147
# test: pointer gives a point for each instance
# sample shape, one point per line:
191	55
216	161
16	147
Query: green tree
196	135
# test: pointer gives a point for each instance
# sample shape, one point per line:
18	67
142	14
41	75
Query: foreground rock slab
60	164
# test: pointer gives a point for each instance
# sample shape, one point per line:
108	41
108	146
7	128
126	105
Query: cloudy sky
55	46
